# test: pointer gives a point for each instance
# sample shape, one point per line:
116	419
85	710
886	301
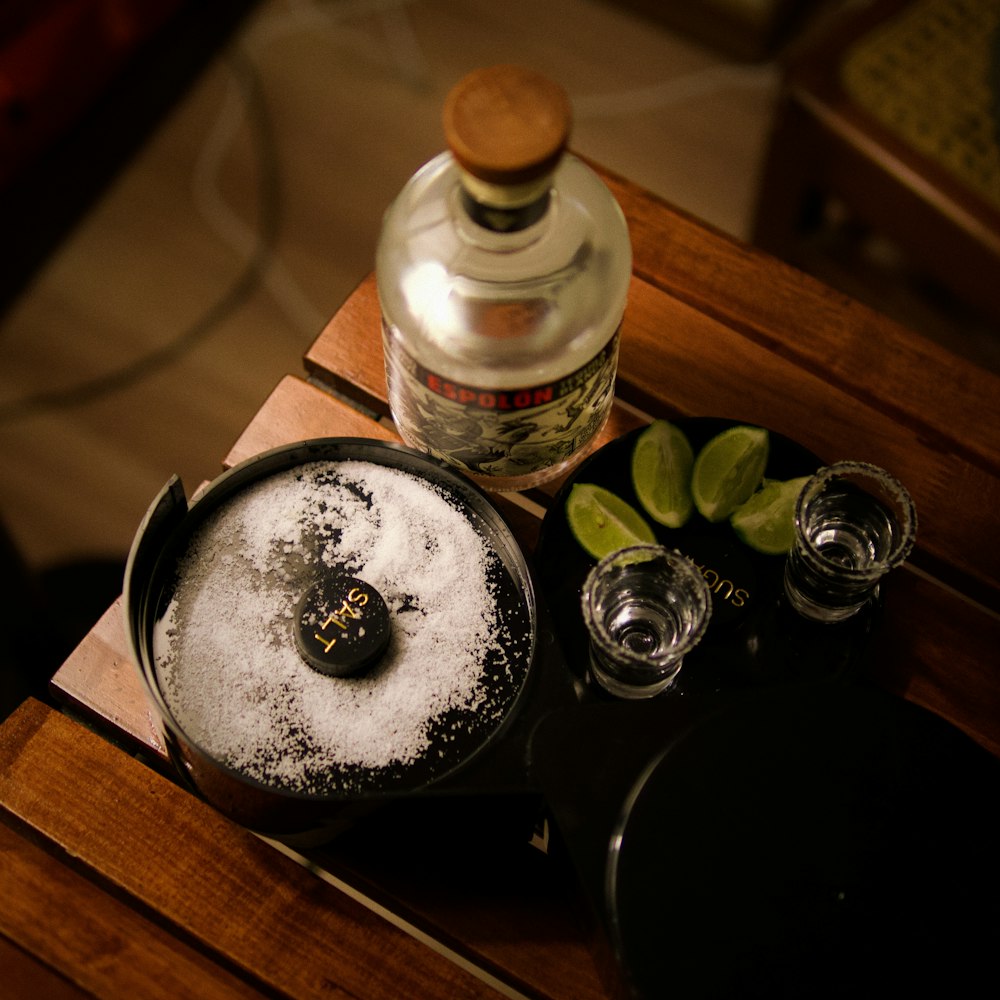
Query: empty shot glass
645	608
853	523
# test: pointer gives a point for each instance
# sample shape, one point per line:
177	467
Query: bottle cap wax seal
507	125
341	625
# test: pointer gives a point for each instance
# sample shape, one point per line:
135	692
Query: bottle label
499	432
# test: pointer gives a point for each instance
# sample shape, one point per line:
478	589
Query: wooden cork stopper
507	125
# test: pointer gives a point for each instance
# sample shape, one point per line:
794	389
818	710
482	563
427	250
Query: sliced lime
602	522
728	469
766	522
661	473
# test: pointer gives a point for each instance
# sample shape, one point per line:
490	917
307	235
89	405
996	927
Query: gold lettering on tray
737	596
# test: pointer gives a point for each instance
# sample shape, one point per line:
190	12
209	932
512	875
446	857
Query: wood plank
347	355
24	976
90	943
297	411
846	344
939	650
100	683
163	851
466	867
702	368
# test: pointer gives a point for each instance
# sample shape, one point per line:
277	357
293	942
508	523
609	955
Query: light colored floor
151	336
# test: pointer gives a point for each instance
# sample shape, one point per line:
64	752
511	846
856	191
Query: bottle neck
504	220
503	208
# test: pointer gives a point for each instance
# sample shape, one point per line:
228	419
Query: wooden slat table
124	883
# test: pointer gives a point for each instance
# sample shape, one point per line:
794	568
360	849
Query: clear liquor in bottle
503	269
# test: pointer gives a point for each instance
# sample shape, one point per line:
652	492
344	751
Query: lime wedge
728	469
766	522
661	473
602	522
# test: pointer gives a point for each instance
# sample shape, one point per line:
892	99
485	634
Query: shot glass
853	523
645	608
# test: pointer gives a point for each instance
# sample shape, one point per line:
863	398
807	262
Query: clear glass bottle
503	268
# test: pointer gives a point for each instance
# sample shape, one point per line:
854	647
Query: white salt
226	658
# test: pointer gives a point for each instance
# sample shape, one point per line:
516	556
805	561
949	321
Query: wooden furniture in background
890	115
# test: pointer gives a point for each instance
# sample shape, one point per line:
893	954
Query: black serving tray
772	825
752	636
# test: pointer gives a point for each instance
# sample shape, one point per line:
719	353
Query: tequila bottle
503	268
